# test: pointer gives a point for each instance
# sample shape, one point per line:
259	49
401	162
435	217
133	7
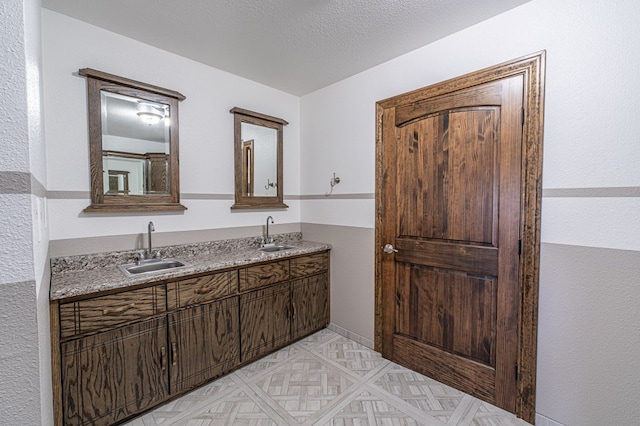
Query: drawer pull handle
265	277
163	358
118	310
174	353
201	290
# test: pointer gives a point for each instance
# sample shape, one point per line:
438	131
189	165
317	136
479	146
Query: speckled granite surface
80	275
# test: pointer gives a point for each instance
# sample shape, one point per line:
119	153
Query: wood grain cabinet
111	375
265	320
104	312
310	305
117	355
203	339
309	294
280	309
262	275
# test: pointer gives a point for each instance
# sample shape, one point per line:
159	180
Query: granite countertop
82	275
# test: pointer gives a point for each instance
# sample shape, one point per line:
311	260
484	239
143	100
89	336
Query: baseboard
350	335
545	421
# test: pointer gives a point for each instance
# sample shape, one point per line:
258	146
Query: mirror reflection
258	160
260	152
135	145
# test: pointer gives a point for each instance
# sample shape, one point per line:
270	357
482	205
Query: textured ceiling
297	46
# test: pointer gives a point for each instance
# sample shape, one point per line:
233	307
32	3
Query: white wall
591	127
25	365
206	131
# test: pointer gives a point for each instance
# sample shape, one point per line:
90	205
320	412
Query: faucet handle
140	255
157	255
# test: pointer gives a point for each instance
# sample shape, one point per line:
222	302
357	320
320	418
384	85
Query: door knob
388	248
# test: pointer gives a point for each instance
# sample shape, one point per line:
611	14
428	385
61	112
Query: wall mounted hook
334	181
270	184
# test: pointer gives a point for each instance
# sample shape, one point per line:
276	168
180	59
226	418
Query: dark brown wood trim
243	201
100	75
259	205
128	208
532	68
533	133
56	374
242	111
165	201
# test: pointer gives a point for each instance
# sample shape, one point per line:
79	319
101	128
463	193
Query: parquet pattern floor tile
326	380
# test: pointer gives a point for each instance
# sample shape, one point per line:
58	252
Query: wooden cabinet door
204	343
113	375
265	320
310	306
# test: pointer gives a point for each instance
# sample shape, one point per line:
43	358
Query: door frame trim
532	68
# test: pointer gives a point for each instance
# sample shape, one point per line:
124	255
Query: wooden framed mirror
258	160
133	145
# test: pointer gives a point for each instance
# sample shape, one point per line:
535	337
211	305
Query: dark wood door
204	343
451	307
113	375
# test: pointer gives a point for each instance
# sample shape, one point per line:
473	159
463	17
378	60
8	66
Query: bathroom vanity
122	345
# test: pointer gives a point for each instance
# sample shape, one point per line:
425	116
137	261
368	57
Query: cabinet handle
201	290
294	311
119	310
163	358
174	353
265	277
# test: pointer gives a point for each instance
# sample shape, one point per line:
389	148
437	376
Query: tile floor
326	379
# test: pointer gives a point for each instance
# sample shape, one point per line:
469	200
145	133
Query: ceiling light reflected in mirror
150	114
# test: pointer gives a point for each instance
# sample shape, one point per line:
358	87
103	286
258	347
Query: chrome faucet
150	228
267	239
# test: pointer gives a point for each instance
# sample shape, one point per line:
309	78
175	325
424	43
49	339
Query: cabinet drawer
261	275
309	265
104	312
201	289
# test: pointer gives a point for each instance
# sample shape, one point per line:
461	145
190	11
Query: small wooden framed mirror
258	160
133	145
